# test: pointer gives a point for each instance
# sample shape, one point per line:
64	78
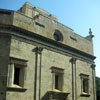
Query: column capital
93	66
73	60
39	49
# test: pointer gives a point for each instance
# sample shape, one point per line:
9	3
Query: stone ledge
85	95
16	89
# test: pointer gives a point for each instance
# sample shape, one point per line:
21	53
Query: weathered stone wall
25	47
59	61
6	17
23	50
85	68
32	11
46	28
4	59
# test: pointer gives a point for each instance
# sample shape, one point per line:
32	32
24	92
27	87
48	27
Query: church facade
42	59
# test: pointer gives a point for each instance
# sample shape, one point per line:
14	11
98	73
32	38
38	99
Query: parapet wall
32	11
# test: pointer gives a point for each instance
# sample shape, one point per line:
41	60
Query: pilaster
37	81
94	80
74	83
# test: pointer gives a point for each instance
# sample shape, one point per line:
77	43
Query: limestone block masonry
42	59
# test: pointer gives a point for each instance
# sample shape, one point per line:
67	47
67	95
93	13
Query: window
84	84
56	81
16	72
58	35
57	75
16	75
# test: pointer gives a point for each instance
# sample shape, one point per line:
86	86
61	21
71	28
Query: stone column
74	87
94	81
37	81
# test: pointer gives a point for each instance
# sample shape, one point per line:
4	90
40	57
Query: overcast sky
80	15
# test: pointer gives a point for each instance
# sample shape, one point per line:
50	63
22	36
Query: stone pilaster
74	83
37	81
94	80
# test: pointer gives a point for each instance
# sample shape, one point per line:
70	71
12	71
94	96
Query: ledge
16	89
48	43
58	92
85	95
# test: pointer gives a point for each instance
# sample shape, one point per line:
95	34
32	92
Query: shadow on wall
45	97
51	95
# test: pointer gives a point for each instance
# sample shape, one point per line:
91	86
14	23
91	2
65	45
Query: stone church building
42	59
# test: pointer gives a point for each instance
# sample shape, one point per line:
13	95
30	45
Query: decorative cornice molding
45	42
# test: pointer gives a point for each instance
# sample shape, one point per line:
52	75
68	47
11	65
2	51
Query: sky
80	15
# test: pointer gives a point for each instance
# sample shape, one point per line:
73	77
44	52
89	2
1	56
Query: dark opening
16	76
85	85
56	81
56	37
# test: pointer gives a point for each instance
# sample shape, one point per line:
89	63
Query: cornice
47	43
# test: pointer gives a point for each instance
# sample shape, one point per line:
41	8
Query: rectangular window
16	72
56	81
84	84
16	75
57	75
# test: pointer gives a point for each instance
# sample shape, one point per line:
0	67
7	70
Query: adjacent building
42	59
